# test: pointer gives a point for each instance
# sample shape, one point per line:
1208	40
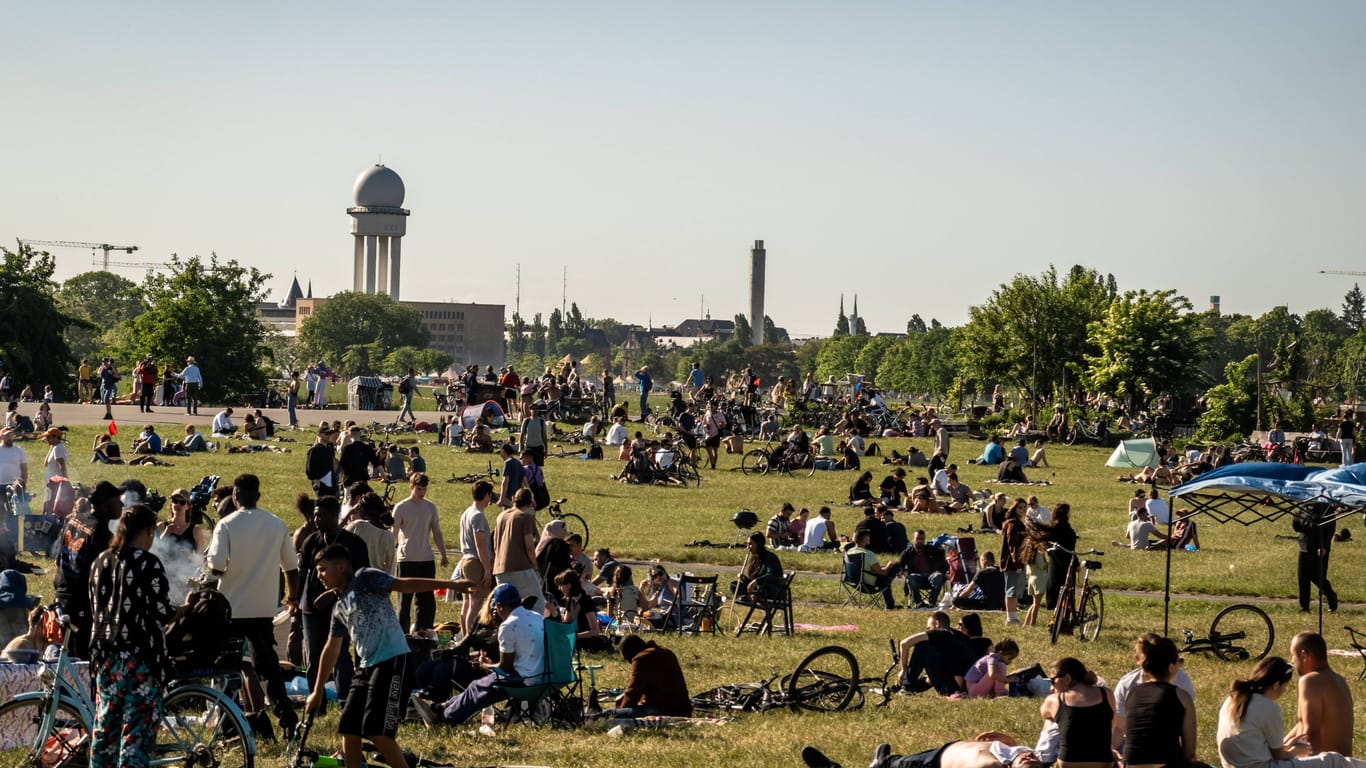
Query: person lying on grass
989	750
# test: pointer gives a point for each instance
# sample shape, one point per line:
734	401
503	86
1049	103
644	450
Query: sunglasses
180	501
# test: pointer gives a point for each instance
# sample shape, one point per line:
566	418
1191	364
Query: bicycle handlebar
1061	548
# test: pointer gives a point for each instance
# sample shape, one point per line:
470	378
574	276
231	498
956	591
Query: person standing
363	611
514	548
84	536
646	384
167	386
247	552
416	525
1014	560
292	399
194	382
109	386
1347	439
315	603
534	436
320	464
13	461
476	554
1324	714
1316	542
512	475
406	388
56	470
609	393
695	379
146	375
130	601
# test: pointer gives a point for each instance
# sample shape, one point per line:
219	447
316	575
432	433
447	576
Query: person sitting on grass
26	648
1010	471
861	492
623	597
1039	458
986	678
897	540
1137	533
575	607
149	442
779	529
987	590
940	653
362	610
993	453
1084	713
656	686
820	532
106	450
959	495
1185	533
923	500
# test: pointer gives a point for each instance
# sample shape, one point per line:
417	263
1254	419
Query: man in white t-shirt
1158	510
13	460
248	551
1037	513
1139	530
616	434
222	423
820	532
521	654
940	483
416	525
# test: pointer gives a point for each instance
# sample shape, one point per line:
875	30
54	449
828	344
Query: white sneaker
1013	620
424	711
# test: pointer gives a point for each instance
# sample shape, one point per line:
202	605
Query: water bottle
486	721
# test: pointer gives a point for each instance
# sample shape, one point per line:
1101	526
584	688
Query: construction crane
102	260
1340	272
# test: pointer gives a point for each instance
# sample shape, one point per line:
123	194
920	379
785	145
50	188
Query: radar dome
379	187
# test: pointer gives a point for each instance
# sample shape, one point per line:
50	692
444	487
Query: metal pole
1167	587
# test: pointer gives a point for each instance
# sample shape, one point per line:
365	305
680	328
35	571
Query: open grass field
644	523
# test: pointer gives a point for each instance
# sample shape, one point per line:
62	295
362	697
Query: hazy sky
917	154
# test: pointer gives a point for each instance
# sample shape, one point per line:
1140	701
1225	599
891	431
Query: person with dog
363	611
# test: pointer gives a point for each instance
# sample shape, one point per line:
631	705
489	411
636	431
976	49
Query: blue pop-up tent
1254	492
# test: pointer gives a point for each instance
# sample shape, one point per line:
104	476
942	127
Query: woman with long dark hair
861	492
1251	727
1159	718
130	605
1085	714
1060	532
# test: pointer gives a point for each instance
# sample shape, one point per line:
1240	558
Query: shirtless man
989	750
1324	710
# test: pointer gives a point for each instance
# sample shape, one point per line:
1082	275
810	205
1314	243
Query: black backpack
202	638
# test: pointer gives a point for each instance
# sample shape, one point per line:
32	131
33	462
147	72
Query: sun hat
105	490
52	432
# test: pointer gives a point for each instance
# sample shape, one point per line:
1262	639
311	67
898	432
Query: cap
506	594
103	491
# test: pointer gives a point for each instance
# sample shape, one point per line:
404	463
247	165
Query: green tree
351	319
517	341
771	333
1031	333
870	359
574	324
1149	344
1231	408
742	331
1322	334
839	356
1354	308
1352	366
101	301
538	345
922	364
434	361
915	325
33	328
554	332
208	310
841	322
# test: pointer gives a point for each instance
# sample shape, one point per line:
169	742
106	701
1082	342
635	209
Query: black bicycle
1240	632
474	477
825	681
572	522
1083	615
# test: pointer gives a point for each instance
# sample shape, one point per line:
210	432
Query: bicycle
825	681
474	477
572	522
1241	622
885	685
200	725
1086	614
759	461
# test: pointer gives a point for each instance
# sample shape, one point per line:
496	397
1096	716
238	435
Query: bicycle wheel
1072	434
1061	614
1092	614
687	472
575	524
755	462
809	466
64	742
825	680
1242	632
200	726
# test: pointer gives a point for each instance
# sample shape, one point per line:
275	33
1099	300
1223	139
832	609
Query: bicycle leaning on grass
51	728
827	680
1084	614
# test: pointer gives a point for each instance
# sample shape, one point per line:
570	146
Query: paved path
72	414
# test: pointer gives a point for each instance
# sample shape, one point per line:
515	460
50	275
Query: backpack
405	385
202	638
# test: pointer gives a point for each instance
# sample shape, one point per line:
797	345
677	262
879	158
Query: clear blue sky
917	154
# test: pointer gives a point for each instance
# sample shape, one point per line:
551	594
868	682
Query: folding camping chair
782	604
556	695
962	556
857	592
698	606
